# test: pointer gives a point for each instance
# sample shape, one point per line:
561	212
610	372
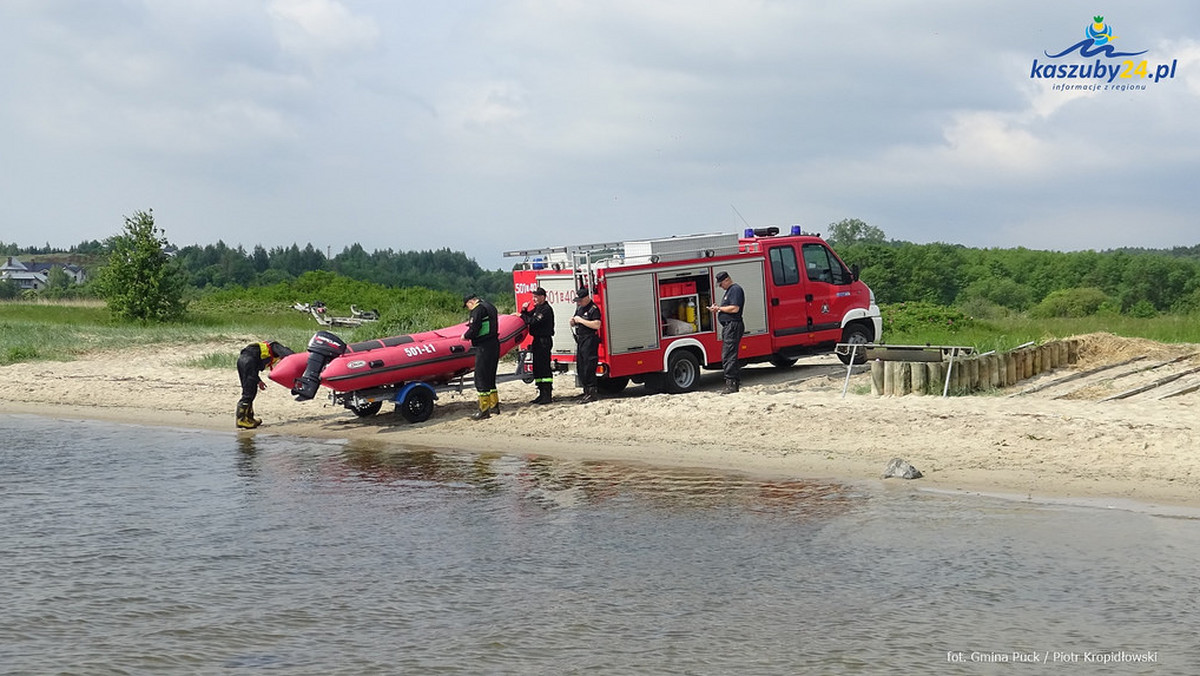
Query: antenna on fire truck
739	214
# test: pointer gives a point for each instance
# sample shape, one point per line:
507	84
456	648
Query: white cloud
316	28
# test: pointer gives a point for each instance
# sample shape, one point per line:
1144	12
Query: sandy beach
1055	443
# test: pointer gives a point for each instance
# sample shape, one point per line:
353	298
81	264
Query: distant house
75	272
36	276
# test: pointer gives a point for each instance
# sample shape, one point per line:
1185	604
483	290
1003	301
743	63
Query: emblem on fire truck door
824	308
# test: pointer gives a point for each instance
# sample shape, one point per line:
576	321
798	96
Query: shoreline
784	423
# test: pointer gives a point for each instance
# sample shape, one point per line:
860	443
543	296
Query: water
146	550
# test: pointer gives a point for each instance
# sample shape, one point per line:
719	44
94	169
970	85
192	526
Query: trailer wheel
683	372
612	385
366	410
417	405
855	334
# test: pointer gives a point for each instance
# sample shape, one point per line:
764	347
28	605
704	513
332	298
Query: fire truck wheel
855	333
782	362
612	385
683	372
366	410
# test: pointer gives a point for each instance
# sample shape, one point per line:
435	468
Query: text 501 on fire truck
800	299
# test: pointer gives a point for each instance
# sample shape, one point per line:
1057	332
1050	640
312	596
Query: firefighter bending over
255	357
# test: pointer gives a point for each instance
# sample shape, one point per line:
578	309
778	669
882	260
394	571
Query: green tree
141	282
853	231
1080	302
57	279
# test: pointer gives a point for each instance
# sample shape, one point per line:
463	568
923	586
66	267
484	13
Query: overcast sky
486	126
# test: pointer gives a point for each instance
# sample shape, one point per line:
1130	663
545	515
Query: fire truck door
786	296
829	295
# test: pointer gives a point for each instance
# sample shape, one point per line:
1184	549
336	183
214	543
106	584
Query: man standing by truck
483	332
540	320
729	315
586	324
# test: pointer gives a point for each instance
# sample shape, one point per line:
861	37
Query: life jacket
266	355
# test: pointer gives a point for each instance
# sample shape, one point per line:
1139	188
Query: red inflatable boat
401	368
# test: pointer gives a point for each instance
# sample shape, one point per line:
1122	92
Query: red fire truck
800	299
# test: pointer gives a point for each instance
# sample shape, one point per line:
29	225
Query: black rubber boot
544	390
589	395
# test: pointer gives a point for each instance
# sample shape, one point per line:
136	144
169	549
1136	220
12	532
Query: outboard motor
323	347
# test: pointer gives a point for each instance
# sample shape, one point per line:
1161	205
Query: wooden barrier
908	370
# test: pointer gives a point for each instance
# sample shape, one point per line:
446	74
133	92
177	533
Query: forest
977	282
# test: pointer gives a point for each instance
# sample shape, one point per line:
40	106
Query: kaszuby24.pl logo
1109	67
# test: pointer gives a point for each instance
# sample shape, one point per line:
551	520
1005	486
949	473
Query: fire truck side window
783	266
822	266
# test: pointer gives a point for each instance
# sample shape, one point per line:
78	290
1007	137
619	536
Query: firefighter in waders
255	358
539	317
482	331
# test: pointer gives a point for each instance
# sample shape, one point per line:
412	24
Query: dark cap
581	293
468	297
539	291
722	276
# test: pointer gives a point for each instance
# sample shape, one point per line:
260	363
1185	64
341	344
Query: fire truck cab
653	296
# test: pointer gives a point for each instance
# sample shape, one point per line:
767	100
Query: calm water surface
131	550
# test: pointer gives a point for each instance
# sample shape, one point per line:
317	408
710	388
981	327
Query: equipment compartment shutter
560	294
631	313
749	274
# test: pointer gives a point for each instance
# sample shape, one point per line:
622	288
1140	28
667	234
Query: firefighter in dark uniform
255	358
539	317
483	330
729	315
586	324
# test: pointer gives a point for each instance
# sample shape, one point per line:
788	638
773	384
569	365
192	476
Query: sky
490	126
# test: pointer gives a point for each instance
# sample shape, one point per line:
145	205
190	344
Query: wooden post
957	375
973	374
920	381
935	376
877	378
890	369
904	379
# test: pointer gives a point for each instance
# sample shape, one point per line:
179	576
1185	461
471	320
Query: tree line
983	282
1135	282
